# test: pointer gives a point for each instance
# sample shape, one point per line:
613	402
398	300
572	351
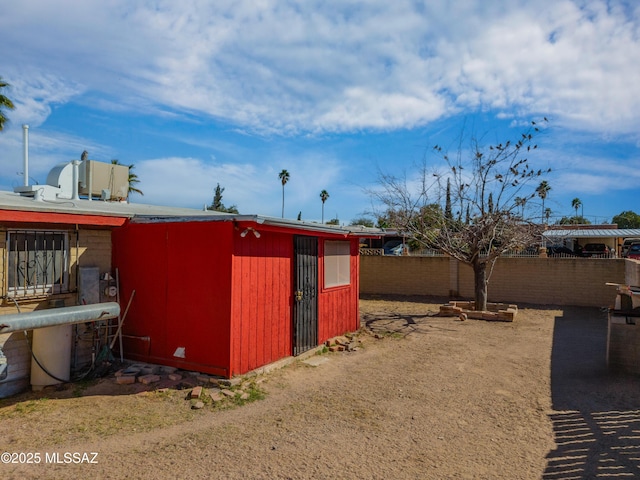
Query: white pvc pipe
25	136
76	180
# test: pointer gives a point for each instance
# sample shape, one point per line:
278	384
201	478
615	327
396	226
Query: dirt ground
432	397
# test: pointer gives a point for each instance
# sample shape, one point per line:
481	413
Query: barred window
337	258
38	263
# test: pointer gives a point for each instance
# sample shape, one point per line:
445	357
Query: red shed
226	294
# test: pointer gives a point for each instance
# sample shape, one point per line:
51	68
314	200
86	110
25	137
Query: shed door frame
305	294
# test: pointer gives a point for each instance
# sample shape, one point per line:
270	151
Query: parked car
560	252
595	250
634	251
393	247
626	244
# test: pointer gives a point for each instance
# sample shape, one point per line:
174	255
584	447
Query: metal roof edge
354	230
593	233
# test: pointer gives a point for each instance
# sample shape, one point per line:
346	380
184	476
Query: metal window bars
38	262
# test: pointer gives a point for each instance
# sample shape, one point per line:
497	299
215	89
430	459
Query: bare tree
486	186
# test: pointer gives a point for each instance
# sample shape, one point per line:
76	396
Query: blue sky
198	93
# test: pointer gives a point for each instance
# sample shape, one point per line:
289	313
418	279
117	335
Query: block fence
542	281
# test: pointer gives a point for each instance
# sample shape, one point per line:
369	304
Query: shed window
38	263
337	256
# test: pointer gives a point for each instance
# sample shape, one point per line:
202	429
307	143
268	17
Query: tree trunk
480	285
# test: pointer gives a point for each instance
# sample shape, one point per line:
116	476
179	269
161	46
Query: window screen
336	263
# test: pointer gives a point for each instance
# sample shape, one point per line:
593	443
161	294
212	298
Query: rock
198	405
230	382
216	397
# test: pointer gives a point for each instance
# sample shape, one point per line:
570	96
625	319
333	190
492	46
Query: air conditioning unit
98	177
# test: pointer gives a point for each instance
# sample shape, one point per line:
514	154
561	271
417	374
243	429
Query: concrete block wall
543	281
632	273
400	275
94	250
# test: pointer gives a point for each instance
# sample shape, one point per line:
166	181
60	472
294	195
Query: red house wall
261	300
338	310
261	330
182	276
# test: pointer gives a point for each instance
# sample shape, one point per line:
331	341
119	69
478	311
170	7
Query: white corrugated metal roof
593	233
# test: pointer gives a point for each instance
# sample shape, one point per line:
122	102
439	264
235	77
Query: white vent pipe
76	180
25	136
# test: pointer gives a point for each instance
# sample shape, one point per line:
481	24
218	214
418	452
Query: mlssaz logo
71	457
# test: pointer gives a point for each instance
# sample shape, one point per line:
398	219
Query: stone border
496	312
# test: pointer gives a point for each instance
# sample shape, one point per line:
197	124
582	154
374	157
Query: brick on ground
147	379
125	379
196	392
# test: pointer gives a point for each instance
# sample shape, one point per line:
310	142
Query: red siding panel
181	273
338	306
261	311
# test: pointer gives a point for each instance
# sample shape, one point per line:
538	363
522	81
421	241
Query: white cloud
339	66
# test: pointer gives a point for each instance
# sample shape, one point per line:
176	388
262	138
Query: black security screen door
305	295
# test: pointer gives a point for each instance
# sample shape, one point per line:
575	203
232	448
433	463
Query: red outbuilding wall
225	298
261	300
181	273
338	306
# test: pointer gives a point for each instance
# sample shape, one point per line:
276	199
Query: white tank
52	347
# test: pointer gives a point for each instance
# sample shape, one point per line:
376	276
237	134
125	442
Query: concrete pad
315	361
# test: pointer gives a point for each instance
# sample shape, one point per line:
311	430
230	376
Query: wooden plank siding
338	306
261	300
182	276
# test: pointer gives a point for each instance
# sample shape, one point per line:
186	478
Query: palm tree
284	178
542	191
323	196
133	178
5	103
576	204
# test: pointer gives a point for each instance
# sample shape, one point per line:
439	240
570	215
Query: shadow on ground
597	413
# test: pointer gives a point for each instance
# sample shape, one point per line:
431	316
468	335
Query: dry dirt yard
432	397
